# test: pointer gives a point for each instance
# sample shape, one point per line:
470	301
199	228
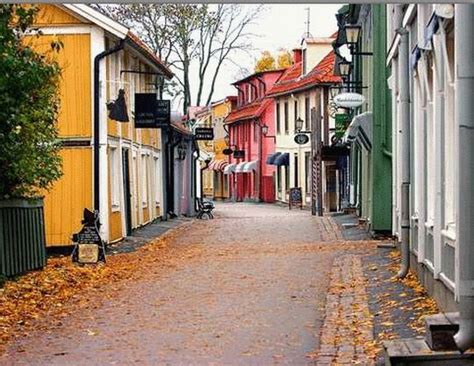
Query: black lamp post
352	39
299	124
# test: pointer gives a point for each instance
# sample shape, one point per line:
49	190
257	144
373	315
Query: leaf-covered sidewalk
32	297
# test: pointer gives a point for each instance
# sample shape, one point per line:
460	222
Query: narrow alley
249	288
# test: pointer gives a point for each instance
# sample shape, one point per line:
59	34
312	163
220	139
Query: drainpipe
404	133
194	175
97	60
464	119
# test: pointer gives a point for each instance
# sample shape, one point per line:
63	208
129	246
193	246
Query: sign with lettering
301	138
349	100
295	197
150	112
342	121
89	247
163	113
204	133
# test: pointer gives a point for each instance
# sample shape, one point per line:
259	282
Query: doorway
126	191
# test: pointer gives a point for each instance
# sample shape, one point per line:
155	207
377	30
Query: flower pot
22	236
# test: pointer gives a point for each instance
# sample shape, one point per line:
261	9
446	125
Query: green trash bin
22	236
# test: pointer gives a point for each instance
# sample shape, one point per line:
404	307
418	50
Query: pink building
251	129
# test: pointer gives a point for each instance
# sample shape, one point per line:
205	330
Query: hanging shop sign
295	198
227	151
88	245
204	133
239	154
150	112
342	121
349	100
301	138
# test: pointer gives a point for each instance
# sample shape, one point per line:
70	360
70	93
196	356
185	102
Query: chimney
296	55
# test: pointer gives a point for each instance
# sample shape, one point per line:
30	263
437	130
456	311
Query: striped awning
218	164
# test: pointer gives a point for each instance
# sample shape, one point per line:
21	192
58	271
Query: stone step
415	352
440	329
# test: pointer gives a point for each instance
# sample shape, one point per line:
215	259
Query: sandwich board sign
88	247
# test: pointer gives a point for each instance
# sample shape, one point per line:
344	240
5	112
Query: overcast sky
281	25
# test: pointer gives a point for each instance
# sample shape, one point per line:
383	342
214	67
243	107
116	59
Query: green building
361	60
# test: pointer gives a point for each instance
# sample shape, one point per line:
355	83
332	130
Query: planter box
22	236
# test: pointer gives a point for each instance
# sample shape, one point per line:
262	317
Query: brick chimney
296	55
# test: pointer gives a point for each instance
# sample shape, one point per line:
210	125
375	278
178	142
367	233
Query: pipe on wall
464	126
404	95
97	60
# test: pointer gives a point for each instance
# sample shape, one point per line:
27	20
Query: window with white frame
144	181
114	178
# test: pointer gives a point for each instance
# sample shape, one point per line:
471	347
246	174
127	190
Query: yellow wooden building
214	181
99	58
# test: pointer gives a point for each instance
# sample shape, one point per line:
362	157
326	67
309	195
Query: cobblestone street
247	288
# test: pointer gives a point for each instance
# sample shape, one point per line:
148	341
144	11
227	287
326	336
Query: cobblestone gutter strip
347	332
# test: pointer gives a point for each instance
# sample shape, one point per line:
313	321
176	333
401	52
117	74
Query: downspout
171	191
195	162
97	60
464	119
404	96
260	163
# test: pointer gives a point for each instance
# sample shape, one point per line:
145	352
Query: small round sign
227	151
301	138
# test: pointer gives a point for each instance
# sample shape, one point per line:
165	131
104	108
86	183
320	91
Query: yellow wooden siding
52	15
115	225
146	215
65	203
75	113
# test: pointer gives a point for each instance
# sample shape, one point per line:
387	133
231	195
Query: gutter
464	127
97	60
404	95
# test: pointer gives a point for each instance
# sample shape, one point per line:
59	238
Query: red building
251	130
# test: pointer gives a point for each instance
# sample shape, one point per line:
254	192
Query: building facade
220	110
108	166
370	133
303	87
433	145
249	177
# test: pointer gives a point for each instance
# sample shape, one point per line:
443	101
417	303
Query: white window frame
157	183
114	178
144	180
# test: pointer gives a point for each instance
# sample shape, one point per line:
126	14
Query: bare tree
184	34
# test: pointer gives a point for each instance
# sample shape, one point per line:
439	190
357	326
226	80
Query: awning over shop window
430	30
240	167
229	169
415	57
283	159
218	164
252	165
360	130
271	159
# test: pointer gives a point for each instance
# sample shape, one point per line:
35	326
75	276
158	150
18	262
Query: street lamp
345	68
352	34
299	124
265	130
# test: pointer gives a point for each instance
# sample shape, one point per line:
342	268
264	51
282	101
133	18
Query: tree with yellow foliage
284	59
266	62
